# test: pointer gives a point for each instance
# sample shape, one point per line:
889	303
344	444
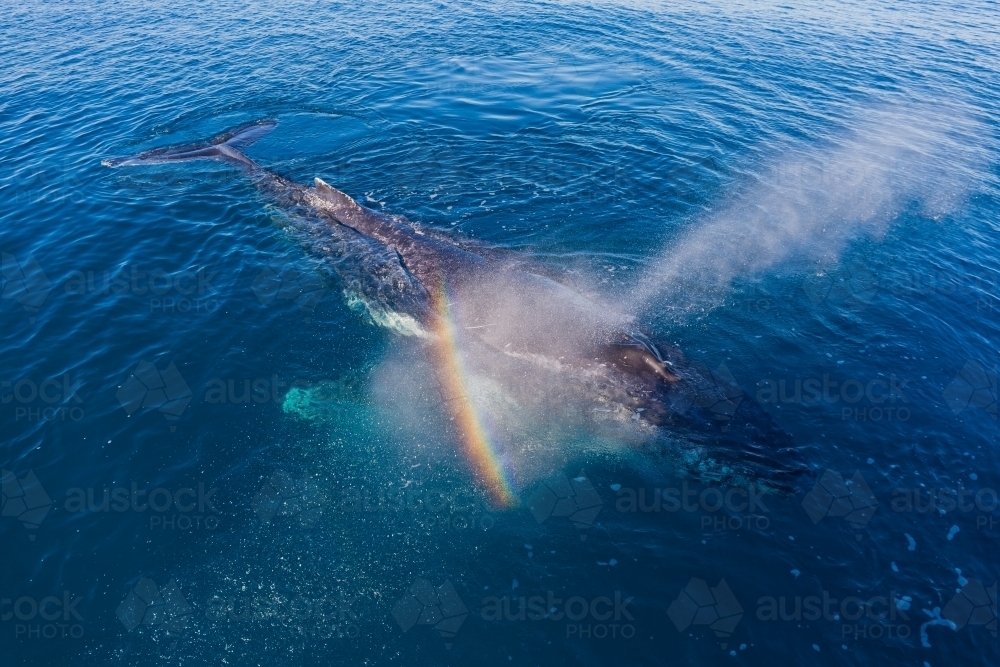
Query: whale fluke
227	146
244	135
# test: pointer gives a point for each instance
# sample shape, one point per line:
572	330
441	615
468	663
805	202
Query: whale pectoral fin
661	369
638	360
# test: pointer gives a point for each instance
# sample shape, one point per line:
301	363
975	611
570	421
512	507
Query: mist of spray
809	204
515	337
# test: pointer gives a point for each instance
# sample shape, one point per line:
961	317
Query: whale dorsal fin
332	194
323	187
352	214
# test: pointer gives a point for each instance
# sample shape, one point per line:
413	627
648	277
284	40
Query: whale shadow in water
520	361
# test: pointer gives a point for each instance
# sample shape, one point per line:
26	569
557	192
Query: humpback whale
540	338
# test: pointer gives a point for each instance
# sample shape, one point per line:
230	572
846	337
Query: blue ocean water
211	456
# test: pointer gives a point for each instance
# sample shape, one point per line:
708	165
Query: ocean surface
211	452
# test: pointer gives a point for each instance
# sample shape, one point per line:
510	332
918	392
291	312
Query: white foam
400	323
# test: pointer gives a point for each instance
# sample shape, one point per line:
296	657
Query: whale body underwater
495	315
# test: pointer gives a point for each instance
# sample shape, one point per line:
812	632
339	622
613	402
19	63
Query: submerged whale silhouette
532	326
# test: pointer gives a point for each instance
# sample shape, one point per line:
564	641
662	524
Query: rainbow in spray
479	450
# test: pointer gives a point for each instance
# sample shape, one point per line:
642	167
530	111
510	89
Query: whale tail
227	147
